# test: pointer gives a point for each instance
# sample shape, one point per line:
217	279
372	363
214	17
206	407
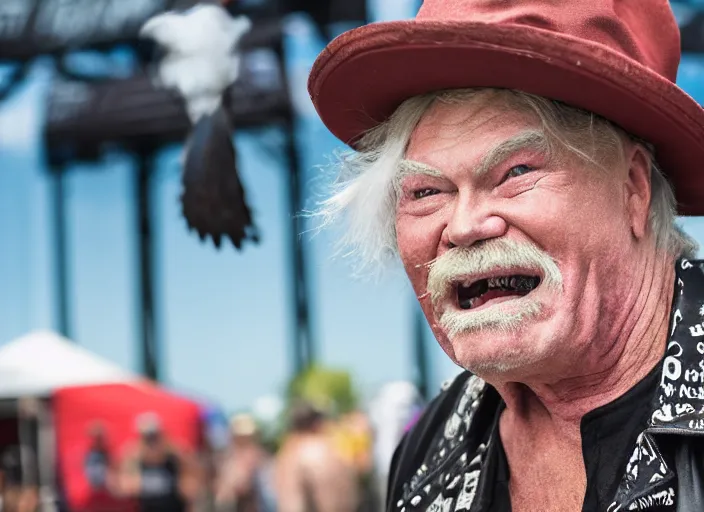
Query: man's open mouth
472	294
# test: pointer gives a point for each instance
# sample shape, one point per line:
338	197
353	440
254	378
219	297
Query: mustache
495	255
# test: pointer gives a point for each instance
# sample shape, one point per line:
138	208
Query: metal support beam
303	343
420	354
58	220
143	196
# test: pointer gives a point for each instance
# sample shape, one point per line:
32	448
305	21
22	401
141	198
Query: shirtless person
310	475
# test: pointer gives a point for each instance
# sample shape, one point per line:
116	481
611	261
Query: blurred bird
201	62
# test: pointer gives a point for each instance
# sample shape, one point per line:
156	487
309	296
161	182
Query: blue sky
224	317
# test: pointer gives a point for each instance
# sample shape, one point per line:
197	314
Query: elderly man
517	157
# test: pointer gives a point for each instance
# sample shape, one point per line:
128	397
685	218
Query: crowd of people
320	464
316	462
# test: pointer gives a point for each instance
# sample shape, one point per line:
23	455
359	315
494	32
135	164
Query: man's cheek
441	337
418	275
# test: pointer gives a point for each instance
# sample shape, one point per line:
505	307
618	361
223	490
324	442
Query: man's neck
635	346
540	427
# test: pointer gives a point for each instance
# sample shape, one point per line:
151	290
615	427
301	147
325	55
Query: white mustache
494	255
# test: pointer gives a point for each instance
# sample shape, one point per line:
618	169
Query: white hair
365	195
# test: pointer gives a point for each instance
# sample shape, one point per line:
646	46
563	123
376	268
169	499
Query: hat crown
644	30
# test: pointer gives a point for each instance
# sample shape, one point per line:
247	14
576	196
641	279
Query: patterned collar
678	404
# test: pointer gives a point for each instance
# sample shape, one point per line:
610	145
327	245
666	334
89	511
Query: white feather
201	60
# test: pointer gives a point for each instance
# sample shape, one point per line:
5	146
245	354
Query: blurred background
112	309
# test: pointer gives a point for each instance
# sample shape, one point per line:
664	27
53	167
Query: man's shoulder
448	398
450	414
455	398
444	434
439	408
446	417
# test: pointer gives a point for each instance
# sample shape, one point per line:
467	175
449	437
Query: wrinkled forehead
478	134
533	140
450	120
480	128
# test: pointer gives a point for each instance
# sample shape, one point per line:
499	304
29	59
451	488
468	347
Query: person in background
397	405
353	439
310	474
98	463
353	435
19	479
243	483
101	471
156	473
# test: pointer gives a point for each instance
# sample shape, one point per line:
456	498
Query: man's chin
513	364
493	344
508	365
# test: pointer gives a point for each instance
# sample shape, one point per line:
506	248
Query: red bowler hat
616	58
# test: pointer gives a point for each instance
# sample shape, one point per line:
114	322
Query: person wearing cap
159	475
525	161
244	476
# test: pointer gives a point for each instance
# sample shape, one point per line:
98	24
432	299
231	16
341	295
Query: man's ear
638	188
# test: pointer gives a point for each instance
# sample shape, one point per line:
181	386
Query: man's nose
470	224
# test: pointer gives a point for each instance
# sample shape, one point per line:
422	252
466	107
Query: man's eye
518	170
424	192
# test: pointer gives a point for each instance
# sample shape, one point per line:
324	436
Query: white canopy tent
34	366
40	362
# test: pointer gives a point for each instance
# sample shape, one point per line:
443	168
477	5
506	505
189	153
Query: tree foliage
330	390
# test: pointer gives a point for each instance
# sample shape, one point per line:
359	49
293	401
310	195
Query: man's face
152	437
152	442
528	255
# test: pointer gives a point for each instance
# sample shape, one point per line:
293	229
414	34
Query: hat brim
364	75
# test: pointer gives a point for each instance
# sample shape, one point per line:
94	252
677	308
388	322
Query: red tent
116	406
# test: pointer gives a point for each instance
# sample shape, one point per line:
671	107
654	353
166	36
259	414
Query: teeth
520	283
499	282
470	293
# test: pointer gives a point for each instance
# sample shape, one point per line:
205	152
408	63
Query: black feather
213	199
